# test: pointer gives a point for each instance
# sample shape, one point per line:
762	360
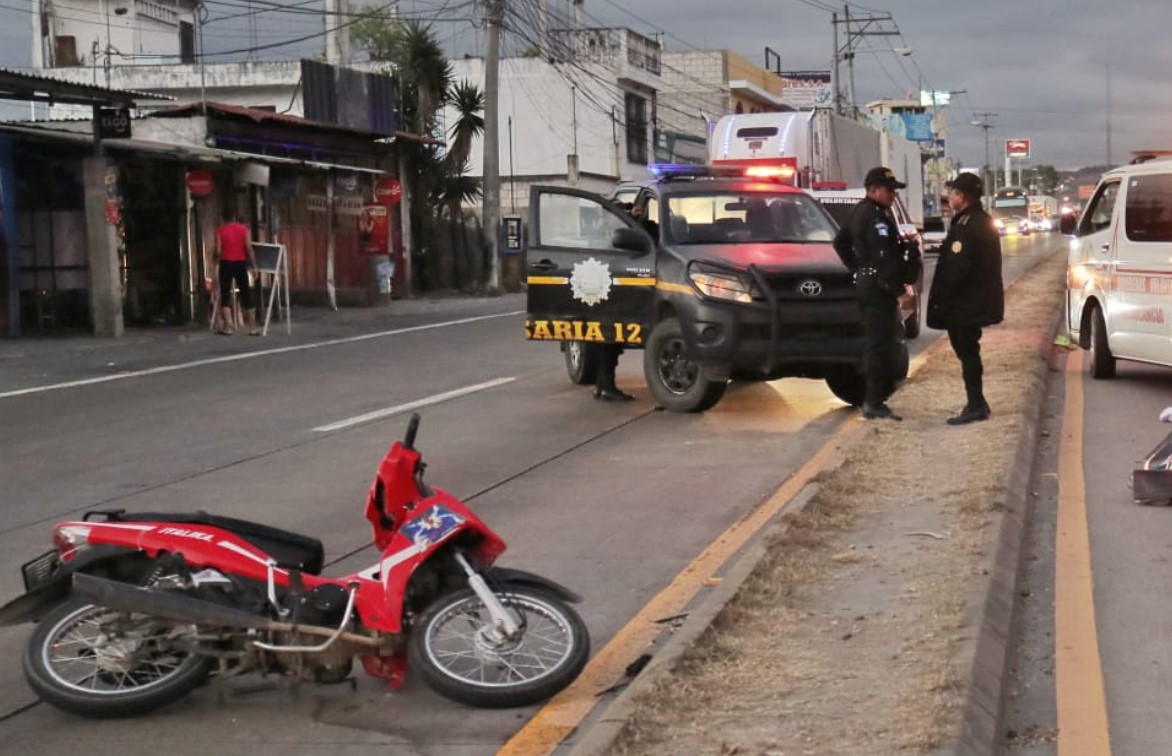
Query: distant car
1041	223
1012	225
839	202
933	234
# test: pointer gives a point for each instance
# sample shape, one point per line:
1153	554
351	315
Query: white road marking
249	355
434	399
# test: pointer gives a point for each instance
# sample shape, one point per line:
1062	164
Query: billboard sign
806	90
1017	148
917	127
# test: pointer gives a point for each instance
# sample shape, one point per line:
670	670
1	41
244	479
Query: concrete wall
693	82
146	28
542	105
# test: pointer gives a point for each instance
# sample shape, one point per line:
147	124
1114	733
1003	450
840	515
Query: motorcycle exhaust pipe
178	607
165	604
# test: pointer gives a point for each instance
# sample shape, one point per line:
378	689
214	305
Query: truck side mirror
1068	224
631	240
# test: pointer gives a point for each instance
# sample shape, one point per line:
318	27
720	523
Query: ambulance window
1148	211
1102	207
575	222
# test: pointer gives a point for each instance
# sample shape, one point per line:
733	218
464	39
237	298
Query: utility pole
985	124
1108	66
492	173
856	27
337	32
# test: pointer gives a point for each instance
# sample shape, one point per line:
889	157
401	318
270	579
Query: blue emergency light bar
681	170
764	170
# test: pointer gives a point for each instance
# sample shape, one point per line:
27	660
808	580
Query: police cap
968	184
882	177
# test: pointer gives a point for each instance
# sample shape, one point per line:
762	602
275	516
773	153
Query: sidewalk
40	360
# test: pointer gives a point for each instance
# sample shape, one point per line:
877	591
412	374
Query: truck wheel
676	380
1102	362
849	386
581	362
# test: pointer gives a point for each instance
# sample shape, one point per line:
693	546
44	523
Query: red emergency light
784	168
828	185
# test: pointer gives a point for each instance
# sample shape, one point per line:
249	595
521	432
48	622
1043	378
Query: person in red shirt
235	259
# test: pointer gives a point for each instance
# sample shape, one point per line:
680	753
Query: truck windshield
730	218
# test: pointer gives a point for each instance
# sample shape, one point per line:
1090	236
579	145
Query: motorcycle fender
521	577
38	602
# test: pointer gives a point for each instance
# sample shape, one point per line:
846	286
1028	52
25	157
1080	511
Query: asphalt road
612	500
1131	558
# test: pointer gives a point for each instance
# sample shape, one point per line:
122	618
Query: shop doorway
51	261
154	232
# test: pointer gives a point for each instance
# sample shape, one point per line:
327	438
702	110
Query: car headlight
725	286
999	223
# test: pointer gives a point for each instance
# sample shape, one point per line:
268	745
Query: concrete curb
600	736
991	650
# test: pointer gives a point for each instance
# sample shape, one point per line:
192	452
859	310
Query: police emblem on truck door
590	282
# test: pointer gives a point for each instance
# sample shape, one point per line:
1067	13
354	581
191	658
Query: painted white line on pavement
250	355
435	399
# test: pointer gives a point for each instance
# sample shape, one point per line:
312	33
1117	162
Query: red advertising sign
388	191
374	230
200	183
1017	148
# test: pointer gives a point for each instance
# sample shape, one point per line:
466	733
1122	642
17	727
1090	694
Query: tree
468	101
1045	178
438	183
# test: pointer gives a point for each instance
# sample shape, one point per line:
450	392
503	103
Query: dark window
757	131
636	110
1148	212
186	42
1099	211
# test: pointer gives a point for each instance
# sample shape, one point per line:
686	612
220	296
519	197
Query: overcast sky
1042	66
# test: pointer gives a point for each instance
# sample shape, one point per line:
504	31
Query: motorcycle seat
290	550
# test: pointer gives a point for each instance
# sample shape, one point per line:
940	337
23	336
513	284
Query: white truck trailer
821	148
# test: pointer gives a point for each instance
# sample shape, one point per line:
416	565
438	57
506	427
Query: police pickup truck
728	273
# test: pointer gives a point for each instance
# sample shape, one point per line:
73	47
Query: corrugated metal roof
268	116
27	86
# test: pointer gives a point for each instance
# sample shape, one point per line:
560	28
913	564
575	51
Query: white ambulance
1119	283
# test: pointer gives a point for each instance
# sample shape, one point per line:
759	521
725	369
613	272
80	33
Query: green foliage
438	183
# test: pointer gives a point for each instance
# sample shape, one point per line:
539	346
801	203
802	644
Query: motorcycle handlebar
412	427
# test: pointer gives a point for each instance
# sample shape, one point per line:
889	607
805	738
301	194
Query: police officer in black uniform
967	293
870	246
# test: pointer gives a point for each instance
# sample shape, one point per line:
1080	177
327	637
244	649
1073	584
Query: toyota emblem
810	288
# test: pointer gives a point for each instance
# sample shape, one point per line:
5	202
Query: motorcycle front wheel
455	649
98	662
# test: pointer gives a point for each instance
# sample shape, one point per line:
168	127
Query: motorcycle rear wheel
453	649
97	662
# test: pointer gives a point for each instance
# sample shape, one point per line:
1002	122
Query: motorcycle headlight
727	286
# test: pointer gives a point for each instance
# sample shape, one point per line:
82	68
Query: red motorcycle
136	610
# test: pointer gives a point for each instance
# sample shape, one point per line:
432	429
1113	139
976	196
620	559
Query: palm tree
468	101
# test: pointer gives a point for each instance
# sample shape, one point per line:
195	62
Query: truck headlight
725	286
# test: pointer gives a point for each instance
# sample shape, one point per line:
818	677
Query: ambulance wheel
676	381
1102	361
581	362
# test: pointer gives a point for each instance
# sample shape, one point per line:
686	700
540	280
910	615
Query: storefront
315	198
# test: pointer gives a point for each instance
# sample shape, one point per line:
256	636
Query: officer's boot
604	385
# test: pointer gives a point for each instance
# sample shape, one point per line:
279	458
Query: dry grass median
846	638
